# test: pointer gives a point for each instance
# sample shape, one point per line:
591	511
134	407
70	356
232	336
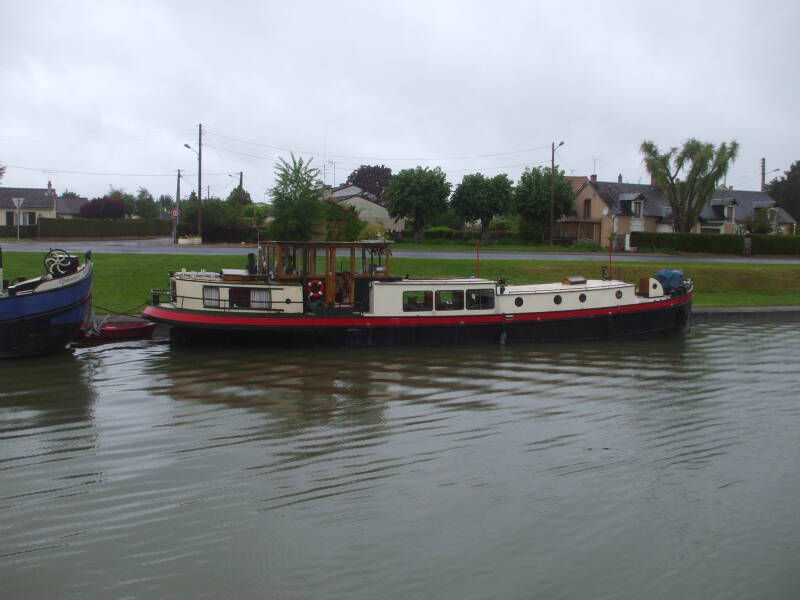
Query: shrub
689	242
776	244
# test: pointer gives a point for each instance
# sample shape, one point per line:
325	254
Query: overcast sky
100	94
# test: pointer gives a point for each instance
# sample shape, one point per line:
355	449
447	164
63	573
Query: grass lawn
122	282
446	245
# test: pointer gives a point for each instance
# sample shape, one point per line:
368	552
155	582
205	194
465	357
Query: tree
532	201
239	196
786	190
145	206
341	222
104	208
418	195
704	167
373	179
69	194
478	198
2	171
758	222
128	199
296	200
165	202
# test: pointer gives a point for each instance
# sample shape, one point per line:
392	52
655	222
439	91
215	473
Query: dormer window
730	213
636	209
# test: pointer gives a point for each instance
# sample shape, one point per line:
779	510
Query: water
643	469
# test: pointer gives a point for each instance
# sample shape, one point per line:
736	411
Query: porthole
619	294
655	285
518	301
557	299
582	297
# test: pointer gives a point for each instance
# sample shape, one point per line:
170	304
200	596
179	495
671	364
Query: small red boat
114	331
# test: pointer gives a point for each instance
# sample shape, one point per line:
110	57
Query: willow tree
688	176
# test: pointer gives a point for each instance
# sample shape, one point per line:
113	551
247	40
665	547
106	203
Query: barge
343	293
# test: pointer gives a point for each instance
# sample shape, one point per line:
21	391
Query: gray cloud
118	88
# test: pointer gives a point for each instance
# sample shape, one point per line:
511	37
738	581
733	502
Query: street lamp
199	190
553	187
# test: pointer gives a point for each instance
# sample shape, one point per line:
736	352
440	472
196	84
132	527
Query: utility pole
763	174
241	179
553	188
200	181
332	162
176	220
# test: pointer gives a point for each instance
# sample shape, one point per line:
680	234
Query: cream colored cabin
453	297
203	290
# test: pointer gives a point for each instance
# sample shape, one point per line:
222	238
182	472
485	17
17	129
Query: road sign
174	213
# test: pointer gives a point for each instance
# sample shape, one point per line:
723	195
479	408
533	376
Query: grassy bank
123	281
501	246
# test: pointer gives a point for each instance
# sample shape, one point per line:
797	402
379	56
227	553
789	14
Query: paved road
164	246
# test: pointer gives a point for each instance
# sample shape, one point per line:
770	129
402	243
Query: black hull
664	321
43	333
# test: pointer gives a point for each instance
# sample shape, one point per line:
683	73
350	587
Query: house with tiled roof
370	208
603	207
36	203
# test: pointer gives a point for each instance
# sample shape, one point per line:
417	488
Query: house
603	207
69	207
36	204
370	208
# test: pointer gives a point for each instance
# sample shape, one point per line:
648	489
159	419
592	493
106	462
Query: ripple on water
645	468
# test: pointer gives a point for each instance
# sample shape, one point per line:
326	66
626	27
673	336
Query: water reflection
354	473
46	391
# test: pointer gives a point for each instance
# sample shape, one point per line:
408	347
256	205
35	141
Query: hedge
714	243
25	231
466	235
104	228
776	244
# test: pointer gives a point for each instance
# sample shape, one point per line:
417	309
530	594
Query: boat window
480	299
210	296
582	297
557	299
518	301
619	294
239	297
261	299
450	300
417	300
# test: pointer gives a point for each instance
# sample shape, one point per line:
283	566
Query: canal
641	469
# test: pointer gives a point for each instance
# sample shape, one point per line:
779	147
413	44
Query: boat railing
169	297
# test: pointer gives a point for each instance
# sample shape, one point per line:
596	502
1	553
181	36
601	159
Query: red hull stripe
182	317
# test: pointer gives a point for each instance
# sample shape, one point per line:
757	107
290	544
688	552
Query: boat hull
44	322
658	318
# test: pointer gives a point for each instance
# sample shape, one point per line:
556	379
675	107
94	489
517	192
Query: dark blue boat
43	314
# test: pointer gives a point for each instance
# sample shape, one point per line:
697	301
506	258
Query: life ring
315	289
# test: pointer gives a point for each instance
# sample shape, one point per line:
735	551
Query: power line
384	158
45	170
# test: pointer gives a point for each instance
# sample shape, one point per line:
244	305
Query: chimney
619	178
593	177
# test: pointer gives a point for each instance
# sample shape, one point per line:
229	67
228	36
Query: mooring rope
95	324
